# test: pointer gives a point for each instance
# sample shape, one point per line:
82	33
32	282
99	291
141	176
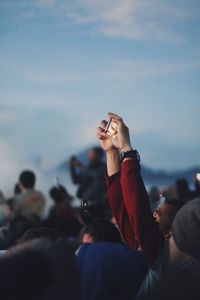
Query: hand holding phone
111	127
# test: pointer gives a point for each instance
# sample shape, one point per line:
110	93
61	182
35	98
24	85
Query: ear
168	235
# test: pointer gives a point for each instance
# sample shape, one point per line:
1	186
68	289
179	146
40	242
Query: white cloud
132	19
133	70
13	162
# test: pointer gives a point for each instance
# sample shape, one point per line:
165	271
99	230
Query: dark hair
176	203
45	270
59	193
27	179
39	232
99	151
34	274
102	230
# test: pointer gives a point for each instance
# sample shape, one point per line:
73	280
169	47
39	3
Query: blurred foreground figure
182	281
39	270
110	271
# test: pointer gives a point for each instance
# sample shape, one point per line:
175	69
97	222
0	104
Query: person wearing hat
182	280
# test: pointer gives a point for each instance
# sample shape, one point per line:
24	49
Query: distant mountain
163	178
150	176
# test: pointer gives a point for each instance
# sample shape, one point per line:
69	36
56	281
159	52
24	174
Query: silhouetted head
27	179
39	269
42	232
154	194
95	154
100	230
58	194
182	188
185	229
165	214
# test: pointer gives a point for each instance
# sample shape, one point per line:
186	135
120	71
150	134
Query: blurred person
62	216
183	190
110	271
6	235
11	200
39	270
130	203
165	214
170	192
154	197
90	179
29	203
196	192
100	230
42	232
182	281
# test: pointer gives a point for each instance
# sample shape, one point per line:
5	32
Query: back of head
27	179
42	232
165	214
45	270
110	271
58	194
95	154
186	228
34	274
102	230
182	188
176	204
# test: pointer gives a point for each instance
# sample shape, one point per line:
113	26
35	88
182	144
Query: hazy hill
150	176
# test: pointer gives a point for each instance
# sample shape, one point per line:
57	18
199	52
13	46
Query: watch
132	153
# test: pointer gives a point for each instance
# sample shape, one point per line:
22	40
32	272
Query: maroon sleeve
119	211
137	206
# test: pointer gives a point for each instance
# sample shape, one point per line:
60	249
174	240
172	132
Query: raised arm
135	197
114	186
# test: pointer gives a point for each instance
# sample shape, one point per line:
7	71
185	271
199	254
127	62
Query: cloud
133	70
129	19
12	163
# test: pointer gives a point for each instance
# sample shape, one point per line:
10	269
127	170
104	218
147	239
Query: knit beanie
186	228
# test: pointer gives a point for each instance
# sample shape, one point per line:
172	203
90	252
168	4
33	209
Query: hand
120	139
104	138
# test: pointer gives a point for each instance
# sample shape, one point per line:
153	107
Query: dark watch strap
132	153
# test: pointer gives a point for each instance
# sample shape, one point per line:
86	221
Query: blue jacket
110	271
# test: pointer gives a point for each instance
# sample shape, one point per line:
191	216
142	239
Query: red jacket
129	202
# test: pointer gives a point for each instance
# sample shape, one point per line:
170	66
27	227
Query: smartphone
108	125
111	128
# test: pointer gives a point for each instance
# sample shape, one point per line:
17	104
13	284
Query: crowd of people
122	243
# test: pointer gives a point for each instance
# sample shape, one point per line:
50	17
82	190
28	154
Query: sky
65	64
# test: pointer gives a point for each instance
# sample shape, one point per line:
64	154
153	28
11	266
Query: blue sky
65	64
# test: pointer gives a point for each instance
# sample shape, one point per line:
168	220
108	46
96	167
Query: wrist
131	154
126	148
112	152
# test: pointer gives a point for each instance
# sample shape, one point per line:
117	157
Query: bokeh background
65	64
